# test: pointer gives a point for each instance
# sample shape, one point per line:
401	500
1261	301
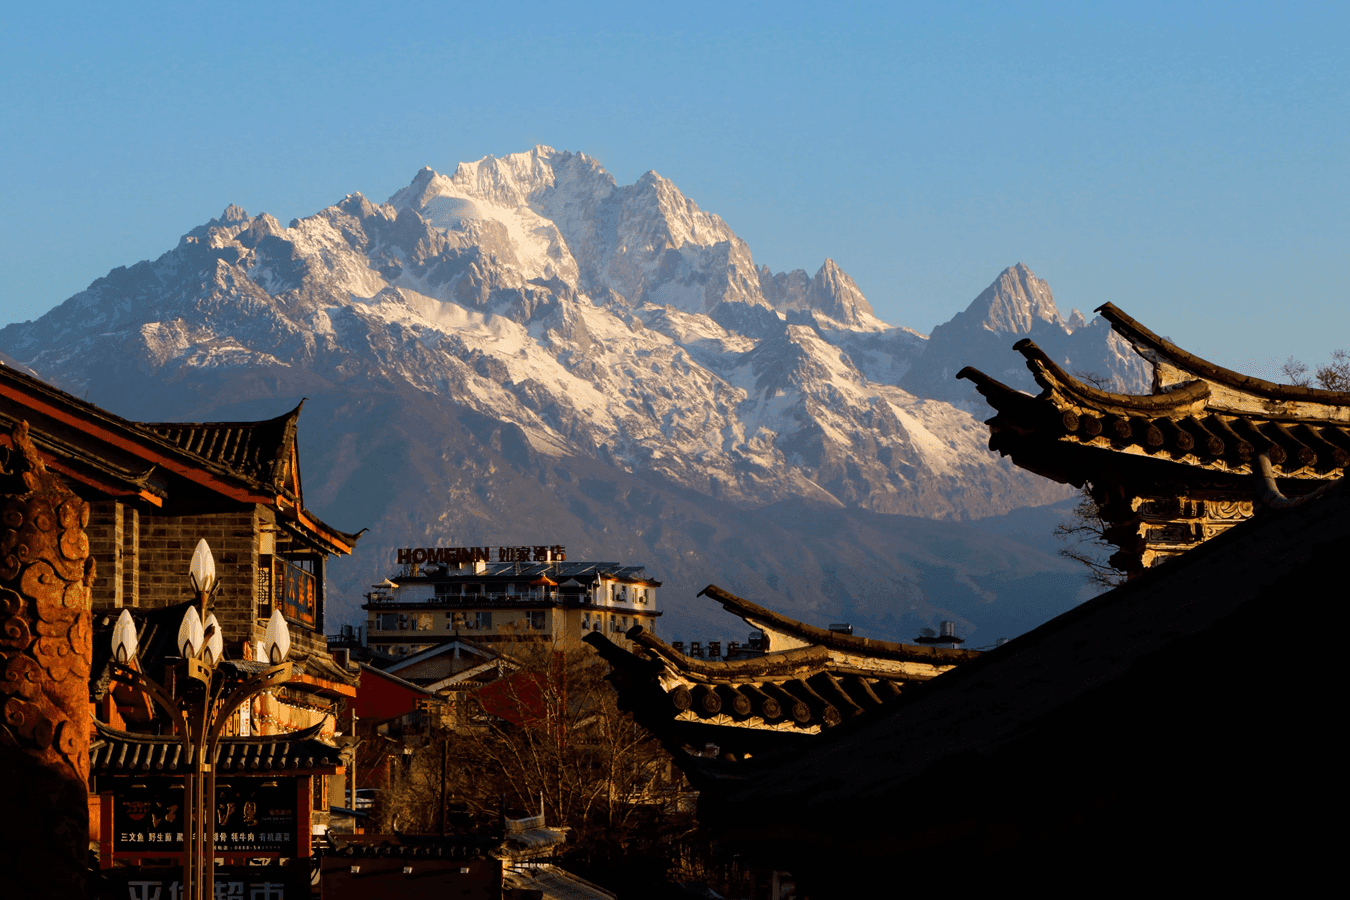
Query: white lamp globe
124	639
215	644
202	569
276	639
190	633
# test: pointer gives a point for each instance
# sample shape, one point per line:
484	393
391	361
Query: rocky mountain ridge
554	341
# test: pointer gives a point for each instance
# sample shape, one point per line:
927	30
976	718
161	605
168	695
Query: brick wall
105	547
131	553
166	547
143	561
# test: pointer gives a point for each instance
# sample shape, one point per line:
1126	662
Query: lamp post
200	705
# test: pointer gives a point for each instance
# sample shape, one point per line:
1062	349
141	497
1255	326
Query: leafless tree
548	732
1334	376
1083	539
1096	379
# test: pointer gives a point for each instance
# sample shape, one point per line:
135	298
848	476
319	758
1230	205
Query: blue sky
1187	162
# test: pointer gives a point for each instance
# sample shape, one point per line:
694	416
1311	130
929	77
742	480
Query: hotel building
528	594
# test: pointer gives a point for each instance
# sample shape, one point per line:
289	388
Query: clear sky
1186	161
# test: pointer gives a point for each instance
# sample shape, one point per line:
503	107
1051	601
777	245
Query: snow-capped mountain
1017	305
558	348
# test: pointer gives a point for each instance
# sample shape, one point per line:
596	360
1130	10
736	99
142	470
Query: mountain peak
835	294
1015	301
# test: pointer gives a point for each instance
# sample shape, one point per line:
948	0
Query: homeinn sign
453	556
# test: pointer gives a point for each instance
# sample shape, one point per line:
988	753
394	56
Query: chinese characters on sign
231	883
456	555
250	818
293	591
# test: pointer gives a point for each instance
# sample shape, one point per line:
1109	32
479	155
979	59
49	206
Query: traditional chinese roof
114	752
822	681
784	633
101	454
1214	422
1130	727
257	451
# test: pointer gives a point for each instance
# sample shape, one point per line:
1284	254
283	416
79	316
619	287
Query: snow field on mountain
620	322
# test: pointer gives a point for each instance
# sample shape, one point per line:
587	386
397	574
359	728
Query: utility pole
445	755
351	781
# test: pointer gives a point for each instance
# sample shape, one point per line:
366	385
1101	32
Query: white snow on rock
622	322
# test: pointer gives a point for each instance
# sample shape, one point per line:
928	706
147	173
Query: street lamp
199	706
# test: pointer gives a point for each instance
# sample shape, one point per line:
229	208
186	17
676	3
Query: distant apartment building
491	595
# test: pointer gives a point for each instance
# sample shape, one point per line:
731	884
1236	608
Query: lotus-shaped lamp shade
215	643
202	571
124	639
190	633
276	639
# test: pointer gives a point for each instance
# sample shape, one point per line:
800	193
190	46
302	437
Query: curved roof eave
835	640
1139	335
1184	399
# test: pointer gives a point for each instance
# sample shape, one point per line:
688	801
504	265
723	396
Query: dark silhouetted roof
114	752
1149	727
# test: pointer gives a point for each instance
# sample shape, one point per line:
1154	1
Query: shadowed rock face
527	316
45	653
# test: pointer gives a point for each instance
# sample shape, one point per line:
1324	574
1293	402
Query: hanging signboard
251	817
293	591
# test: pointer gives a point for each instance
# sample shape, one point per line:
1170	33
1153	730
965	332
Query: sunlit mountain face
526	352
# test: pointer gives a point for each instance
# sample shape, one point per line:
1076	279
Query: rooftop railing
478	601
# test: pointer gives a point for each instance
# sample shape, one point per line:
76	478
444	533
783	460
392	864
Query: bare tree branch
1083	537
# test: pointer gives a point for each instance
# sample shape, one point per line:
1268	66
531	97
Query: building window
536	620
424	621
386	621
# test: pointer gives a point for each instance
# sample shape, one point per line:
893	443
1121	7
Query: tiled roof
114	752
805	690
1200	415
1141	722
1178	426
256	451
761	617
